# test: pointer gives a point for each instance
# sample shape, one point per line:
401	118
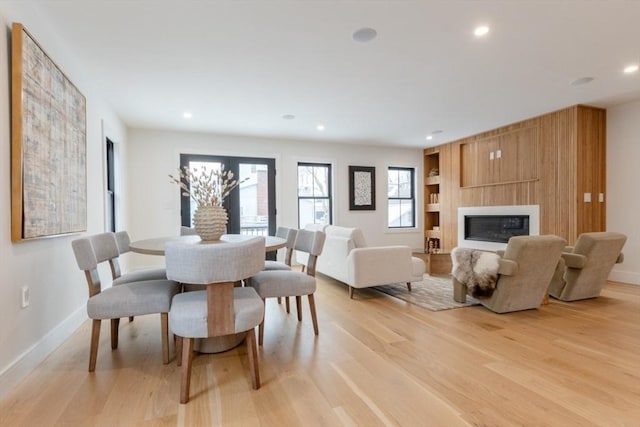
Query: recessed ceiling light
581	81
364	35
320	127
288	116
631	69
187	115
429	137
480	31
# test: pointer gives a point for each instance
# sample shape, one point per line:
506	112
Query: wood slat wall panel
554	159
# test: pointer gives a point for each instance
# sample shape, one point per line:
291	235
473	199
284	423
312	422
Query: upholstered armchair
584	268
524	271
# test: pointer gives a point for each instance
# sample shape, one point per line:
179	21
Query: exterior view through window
251	206
314	194
401	196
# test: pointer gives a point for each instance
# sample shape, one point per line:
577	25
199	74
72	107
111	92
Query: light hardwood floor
377	361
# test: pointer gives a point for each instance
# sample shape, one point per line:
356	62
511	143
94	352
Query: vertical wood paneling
554	159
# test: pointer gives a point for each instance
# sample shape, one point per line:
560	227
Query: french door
251	206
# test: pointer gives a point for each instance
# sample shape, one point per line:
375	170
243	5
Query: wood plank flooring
377	361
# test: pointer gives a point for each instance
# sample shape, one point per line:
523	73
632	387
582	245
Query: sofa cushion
354	234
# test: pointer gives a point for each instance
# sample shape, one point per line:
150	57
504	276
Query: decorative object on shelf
208	188
434	198
434	172
362	188
48	145
433	245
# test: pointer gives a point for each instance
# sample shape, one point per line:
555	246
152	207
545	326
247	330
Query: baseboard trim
630	277
33	356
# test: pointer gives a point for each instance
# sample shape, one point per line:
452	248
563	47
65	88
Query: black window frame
412	198
329	197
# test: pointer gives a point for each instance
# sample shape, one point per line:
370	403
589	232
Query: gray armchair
584	268
525	270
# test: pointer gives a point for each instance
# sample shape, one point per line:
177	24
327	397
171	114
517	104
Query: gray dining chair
289	234
285	283
123	240
222	309
113	303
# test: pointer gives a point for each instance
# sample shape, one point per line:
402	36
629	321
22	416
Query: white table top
156	246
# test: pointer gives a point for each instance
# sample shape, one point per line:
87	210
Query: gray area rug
434	293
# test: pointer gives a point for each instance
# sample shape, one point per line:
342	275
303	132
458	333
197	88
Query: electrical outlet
25	297
491	155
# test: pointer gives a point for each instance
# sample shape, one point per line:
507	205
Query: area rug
434	293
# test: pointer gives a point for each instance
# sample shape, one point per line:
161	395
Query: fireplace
490	227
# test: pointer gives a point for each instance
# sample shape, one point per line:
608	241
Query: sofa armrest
507	267
574	260
379	265
568	249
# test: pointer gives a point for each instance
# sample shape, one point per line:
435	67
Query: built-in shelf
432	180
432	238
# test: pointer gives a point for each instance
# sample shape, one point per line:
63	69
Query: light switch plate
491	155
498	154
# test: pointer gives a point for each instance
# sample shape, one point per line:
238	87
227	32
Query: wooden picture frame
362	188
48	145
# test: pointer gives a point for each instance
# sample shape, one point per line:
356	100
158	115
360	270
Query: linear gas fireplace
490	227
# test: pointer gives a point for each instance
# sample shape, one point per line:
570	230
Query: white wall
58	289
623	177
153	207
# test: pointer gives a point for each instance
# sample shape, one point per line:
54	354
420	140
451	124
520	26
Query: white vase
210	222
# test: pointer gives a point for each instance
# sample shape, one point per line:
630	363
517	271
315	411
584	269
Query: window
401	196
111	187
251	207
314	194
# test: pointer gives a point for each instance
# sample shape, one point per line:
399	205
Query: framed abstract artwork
48	145
362	188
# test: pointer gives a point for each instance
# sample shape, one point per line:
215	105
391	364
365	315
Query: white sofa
347	258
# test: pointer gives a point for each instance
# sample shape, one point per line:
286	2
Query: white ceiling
239	66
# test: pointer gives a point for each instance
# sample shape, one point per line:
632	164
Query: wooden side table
438	263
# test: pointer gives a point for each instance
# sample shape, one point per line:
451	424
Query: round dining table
157	245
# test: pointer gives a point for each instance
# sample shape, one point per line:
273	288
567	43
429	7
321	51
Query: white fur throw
476	269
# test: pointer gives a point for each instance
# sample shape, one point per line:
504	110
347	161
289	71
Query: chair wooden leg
164	328
261	332
409	286
130	318
179	342
261	326
279	300
187	357
95	339
115	323
350	292
286	303
253	359
314	318
299	307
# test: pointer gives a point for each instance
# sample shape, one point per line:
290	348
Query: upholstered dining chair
290	235
187	231
584	267
285	283
222	309
123	240
129	299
